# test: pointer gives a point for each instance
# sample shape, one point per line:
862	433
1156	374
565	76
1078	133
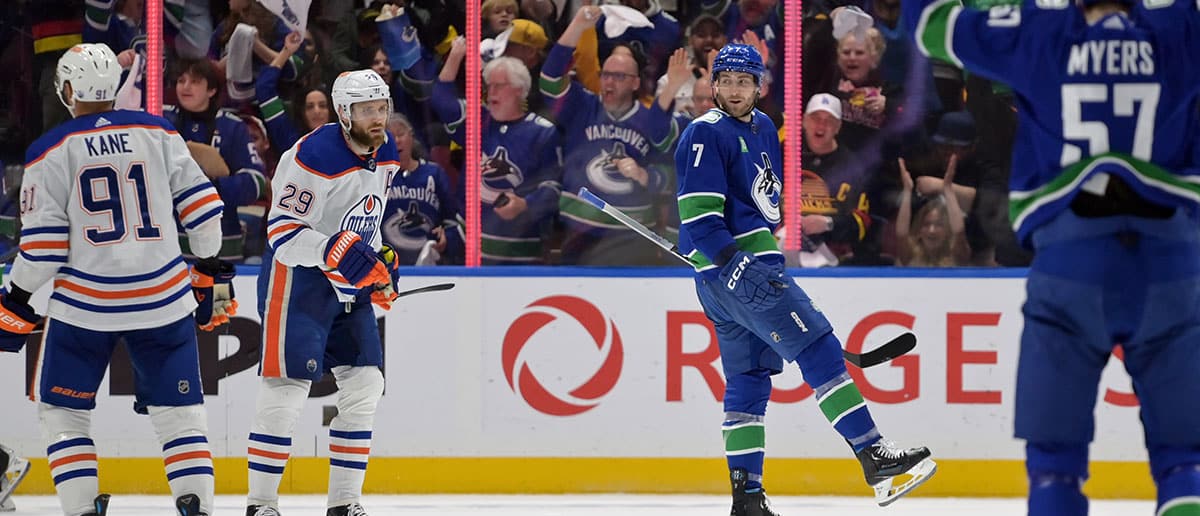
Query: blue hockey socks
1056	475
839	399
746	397
1176	471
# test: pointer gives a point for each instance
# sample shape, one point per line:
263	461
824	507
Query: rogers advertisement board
624	367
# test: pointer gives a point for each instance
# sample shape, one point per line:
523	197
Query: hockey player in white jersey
321	274
99	204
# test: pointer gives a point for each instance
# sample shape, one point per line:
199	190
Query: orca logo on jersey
536	316
602	172
364	217
766	190
500	174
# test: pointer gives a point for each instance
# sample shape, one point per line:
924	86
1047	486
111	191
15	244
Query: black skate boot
261	510
101	506
745	503
189	505
353	509
882	462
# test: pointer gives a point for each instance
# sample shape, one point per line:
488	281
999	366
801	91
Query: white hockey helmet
357	86
93	72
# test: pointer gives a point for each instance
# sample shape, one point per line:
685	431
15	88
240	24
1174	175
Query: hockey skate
189	505
883	462
353	509
746	504
101	506
261	510
12	471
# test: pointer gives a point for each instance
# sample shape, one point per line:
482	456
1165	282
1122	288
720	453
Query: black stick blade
893	348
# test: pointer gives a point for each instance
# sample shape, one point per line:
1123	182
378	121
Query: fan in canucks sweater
1104	188
729	206
421	207
599	133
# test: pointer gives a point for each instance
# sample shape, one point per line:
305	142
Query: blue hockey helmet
738	57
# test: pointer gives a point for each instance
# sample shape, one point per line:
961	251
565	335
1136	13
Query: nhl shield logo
311	365
184	387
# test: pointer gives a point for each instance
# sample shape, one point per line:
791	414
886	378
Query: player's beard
361	135
747	105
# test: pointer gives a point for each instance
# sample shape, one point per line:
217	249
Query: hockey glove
756	284
212	284
17	321
354	260
384	295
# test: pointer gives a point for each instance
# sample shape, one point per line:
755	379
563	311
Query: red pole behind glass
154	62
793	109
471	173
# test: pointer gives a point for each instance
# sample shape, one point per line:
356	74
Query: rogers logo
536	316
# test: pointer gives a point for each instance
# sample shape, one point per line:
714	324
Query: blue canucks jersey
1111	97
417	202
522	157
593	141
728	188
245	182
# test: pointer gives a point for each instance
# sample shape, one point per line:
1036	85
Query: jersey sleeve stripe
193	191
199	203
694	206
63	230
52	258
122	294
279	218
44	244
275	243
935	31
208	215
284	228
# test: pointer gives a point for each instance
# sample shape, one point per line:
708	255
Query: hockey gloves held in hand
212	284
756	284
383	295
355	260
17	321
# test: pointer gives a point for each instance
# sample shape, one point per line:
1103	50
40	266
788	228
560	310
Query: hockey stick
891	349
430	288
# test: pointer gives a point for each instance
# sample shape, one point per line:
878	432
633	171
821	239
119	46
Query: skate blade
888	491
16	473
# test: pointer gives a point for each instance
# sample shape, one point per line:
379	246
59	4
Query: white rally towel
618	19
293	12
851	19
240	51
130	94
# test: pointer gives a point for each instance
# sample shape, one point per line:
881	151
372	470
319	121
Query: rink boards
605	381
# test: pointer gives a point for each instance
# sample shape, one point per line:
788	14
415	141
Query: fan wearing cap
324	268
839	212
1103	189
705	34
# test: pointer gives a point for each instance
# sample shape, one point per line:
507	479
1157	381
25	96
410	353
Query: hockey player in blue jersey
99	204
1105	190
321	273
729	206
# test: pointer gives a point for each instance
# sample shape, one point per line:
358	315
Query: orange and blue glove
17	321
354	260
212	285
384	294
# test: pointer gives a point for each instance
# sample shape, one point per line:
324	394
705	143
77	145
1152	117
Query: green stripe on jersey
742	439
1183	506
553	86
1023	203
935	31
842	400
504	248
759	241
574	208
696	205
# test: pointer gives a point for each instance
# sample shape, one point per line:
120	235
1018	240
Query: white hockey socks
186	455
72	457
359	390
278	408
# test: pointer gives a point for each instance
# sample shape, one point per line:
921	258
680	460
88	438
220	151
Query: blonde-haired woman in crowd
936	237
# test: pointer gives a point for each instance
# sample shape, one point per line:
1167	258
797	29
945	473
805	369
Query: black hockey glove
212	284
17	321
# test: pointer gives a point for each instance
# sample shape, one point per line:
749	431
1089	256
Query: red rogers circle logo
536	316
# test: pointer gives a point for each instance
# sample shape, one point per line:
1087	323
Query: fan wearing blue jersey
324	268
729	205
1105	190
100	200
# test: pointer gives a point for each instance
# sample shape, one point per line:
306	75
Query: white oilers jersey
322	188
99	203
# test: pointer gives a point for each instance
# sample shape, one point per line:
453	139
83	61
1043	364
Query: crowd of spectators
905	161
